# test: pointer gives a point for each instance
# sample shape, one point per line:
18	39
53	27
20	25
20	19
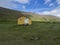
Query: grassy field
12	34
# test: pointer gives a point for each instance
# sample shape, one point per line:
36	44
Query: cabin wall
30	22
21	20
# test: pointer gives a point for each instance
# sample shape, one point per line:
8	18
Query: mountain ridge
8	14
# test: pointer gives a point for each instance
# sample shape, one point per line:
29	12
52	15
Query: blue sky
44	7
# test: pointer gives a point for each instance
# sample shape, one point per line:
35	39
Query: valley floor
12	34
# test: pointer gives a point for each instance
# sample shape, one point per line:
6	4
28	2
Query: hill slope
44	18
12	15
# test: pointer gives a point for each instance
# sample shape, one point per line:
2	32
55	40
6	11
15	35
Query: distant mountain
12	15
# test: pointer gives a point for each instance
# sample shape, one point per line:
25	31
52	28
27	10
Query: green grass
12	34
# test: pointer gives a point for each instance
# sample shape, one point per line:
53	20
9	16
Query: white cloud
7	4
51	4
58	1
47	1
55	12
22	1
11	5
24	7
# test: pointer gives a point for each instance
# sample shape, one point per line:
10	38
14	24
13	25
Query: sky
44	7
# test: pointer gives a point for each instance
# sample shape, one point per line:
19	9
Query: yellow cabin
23	20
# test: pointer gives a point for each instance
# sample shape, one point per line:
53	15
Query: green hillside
44	18
12	15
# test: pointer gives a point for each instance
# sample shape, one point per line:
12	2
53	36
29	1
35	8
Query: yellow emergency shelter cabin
23	20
